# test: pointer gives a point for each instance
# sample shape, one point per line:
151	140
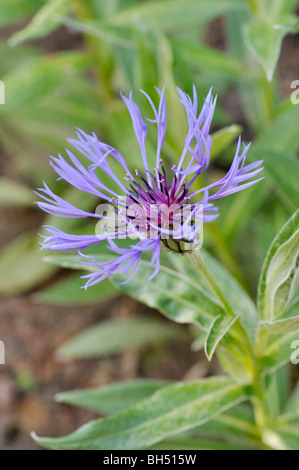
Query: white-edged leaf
278	352
278	272
278	327
217	330
179	297
173	409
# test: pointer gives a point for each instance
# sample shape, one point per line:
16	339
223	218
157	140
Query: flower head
156	207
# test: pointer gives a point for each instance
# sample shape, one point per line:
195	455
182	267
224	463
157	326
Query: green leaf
284	171
278	352
277	391
69	292
13	193
292	405
278	327
34	80
112	399
289	433
233	216
278	272
293	305
173	409
207	58
223	138
114	336
21	266
115	35
67	261
263	39
218	329
281	138
14	10
239	300
174	14
237	425
281	134
174	294
195	443
43	22
176	120
275	340
145	63
177	293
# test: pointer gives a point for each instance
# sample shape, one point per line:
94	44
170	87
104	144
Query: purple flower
156	207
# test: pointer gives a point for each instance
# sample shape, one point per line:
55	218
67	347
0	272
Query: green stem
259	402
198	261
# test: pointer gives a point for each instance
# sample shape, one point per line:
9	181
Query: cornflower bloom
157	207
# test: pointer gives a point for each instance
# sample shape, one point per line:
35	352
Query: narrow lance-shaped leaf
33	80
238	299
279	351
218	329
173	409
289	433
43	22
284	171
174	14
208	58
112	399
279	327
263	39
292	405
279	270
69	292
176	295
114	336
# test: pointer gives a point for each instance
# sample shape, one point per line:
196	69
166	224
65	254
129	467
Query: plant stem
259	402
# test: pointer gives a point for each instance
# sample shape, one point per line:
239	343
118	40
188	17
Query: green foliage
278	279
112	399
114	336
177	407
263	38
69	291
131	45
